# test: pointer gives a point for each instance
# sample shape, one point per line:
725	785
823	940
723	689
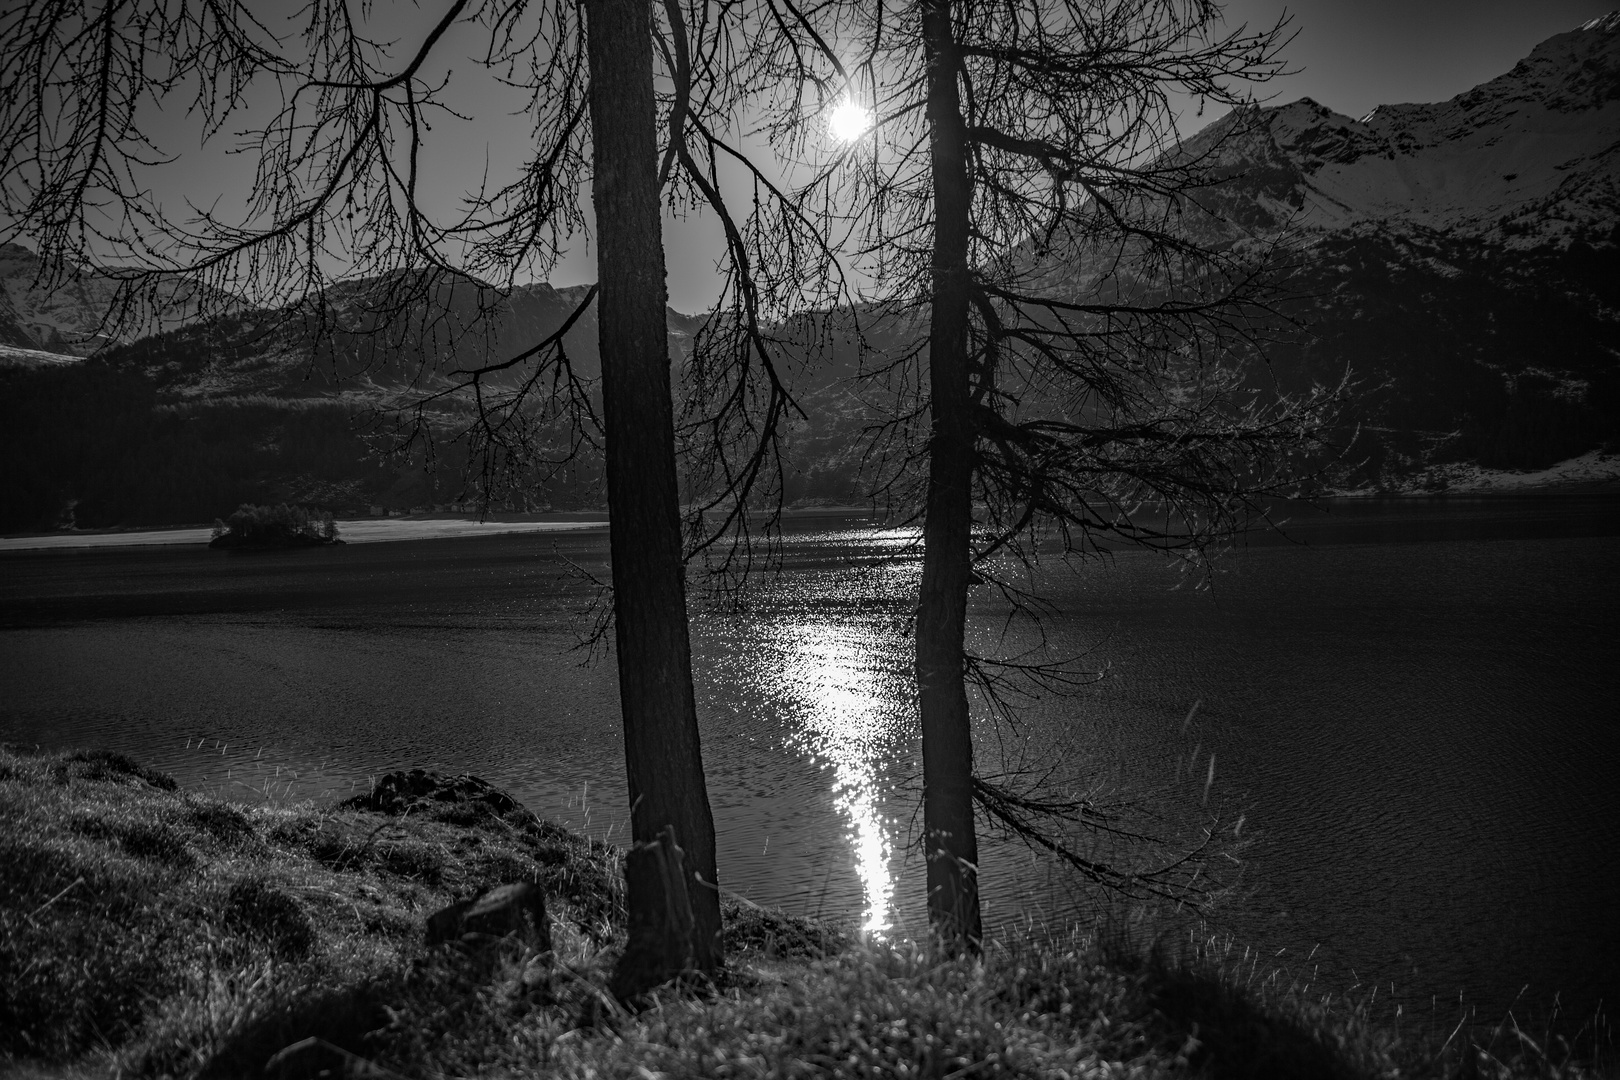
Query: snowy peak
73	317
1532	156
1570	72
1315	134
1461	257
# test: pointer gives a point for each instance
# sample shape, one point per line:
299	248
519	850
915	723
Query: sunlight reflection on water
827	652
829	672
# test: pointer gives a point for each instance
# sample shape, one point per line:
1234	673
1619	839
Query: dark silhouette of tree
1090	331
661	750
339	129
1094	362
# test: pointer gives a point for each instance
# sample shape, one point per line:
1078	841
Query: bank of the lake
356	531
1408	707
150	931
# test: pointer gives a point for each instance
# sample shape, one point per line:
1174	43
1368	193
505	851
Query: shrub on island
281	526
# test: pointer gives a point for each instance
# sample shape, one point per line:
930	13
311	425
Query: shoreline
371	530
158	932
352	531
365	530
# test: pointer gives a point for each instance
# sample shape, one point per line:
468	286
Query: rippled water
1410	719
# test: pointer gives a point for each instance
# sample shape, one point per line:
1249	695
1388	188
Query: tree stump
660	916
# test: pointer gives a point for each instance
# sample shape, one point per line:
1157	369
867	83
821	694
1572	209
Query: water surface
1409	705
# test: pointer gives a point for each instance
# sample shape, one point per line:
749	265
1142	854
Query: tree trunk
661	750
948	835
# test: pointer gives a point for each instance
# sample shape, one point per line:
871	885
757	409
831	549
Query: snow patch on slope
76	316
1529	155
19	357
1592	470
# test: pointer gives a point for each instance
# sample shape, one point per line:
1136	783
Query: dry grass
143	922
147	932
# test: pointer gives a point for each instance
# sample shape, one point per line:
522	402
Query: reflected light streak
848	718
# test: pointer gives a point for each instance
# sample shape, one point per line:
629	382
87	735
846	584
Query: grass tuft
223	822
259	912
108	765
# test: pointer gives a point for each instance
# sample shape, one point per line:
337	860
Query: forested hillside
1461	260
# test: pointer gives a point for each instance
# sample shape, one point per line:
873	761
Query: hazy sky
1356	55
1350	56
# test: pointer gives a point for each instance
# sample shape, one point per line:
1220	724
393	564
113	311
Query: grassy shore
146	931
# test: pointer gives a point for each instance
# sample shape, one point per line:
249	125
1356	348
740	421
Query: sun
849	121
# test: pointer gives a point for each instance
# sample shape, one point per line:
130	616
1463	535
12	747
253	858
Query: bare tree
1014	135
1094	366
339	128
661	746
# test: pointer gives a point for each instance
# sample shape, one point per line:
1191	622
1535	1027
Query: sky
1355	55
1348	56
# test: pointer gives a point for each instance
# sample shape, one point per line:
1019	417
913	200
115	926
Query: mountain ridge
1461	258
1544	135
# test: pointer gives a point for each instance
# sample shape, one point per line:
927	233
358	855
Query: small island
264	528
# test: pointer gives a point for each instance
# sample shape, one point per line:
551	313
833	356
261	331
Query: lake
1406	726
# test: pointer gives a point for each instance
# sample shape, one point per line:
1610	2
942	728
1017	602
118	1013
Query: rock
506	909
401	792
445	924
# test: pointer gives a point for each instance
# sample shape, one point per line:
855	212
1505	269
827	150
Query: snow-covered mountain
1531	157
75	317
1462	259
373	340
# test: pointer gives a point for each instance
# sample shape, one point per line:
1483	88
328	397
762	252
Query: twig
75	883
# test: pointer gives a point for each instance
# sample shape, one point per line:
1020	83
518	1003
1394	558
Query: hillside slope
1461	259
80	315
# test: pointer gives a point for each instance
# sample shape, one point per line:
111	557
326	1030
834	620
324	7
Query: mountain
1528	159
369	339
75	317
288	404
1461	259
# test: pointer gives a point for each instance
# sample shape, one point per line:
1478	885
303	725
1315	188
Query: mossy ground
145	931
